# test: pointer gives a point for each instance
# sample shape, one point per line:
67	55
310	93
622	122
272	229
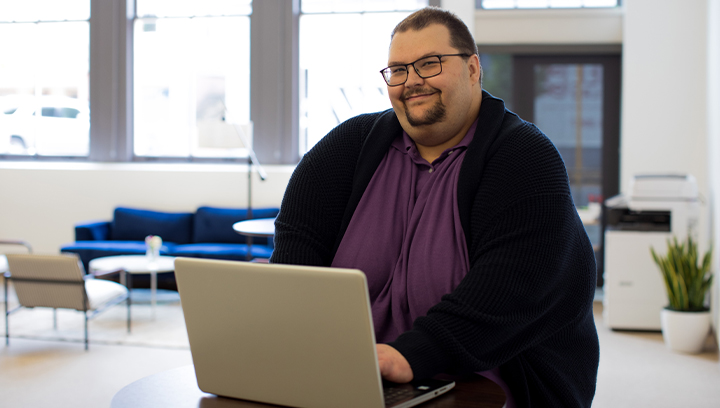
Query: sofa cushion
215	224
220	251
131	224
92	231
122	247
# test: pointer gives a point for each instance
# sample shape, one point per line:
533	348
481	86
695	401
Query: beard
435	114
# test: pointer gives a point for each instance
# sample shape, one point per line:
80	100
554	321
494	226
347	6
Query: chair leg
86	331
129	298
7	315
128	310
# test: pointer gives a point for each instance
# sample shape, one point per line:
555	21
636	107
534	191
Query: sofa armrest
93	231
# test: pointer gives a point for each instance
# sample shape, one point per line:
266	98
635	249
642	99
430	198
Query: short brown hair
460	36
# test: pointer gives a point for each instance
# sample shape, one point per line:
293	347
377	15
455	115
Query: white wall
41	202
556	26
664	94
671	99
713	79
465	9
670	91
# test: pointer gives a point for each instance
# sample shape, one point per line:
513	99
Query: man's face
430	101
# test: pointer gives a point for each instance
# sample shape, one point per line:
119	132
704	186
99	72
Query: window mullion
111	80
274	76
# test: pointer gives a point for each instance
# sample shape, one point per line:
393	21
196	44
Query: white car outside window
44	125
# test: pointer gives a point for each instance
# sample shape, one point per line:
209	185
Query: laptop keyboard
395	394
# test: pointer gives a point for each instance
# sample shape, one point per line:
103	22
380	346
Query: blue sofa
206	233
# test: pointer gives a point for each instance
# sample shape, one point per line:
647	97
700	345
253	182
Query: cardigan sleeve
524	286
316	196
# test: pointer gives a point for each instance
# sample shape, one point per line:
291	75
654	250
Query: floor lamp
251	159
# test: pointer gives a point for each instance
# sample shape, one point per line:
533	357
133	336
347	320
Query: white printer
657	208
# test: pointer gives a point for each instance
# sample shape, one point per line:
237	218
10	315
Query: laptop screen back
280	334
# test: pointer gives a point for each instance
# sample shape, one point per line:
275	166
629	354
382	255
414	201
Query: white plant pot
685	332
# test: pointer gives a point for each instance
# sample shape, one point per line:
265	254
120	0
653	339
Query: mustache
414	92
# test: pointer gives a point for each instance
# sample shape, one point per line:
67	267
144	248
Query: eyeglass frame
407	72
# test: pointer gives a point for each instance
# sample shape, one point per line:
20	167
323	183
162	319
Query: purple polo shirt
406	236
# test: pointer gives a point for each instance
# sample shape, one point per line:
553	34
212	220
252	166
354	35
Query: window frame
273	103
112	131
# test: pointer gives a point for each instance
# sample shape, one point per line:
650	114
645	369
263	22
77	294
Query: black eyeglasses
426	67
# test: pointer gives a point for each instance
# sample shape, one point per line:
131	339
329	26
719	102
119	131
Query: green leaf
686	280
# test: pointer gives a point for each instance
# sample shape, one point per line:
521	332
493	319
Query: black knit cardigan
526	303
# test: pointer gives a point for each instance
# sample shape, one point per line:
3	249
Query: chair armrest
94	274
16	242
92	231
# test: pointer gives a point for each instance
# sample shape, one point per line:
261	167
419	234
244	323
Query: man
461	216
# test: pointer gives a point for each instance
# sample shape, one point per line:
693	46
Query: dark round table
178	388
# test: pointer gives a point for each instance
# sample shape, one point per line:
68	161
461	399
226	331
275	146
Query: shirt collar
406	145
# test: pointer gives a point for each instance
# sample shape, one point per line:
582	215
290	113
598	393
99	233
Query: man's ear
474	68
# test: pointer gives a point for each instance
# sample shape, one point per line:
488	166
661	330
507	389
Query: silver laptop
287	335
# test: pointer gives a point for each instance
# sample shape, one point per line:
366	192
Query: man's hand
393	366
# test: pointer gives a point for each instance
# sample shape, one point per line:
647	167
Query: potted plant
685	321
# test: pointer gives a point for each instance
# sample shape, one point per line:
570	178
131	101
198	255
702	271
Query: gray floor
636	370
37	373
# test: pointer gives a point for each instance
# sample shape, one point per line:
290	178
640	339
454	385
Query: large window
192	78
339	74
44	68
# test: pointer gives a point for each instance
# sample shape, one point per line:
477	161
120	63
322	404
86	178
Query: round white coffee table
259	227
134	264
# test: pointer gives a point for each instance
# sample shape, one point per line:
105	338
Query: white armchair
59	281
